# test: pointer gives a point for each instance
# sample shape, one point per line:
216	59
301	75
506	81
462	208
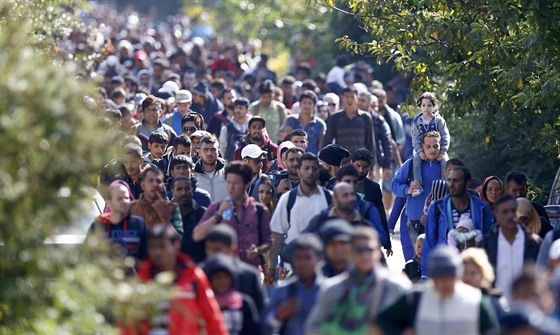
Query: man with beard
257	136
223	118
232	135
209	170
152	109
191	212
153	205
289	178
368	189
444	214
295	208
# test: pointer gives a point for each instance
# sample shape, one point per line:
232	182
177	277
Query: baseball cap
183	96
255	119
252	151
200	134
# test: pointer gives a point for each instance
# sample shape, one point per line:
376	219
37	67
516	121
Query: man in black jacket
508	245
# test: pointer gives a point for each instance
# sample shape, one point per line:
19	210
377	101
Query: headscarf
485	187
287	145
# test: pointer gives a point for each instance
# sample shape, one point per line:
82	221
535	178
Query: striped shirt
351	133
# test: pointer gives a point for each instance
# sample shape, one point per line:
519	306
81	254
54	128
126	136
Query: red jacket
195	300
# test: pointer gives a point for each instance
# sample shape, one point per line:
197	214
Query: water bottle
228	213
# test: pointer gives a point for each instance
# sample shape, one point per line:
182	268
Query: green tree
493	63
51	142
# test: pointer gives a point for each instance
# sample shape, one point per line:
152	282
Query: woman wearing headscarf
492	189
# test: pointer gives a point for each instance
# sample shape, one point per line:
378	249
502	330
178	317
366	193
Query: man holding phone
153	205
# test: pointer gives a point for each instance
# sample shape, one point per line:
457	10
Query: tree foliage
493	62
51	142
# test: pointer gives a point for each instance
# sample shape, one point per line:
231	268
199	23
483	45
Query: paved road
396	262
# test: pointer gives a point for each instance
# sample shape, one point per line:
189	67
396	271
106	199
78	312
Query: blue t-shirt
315	130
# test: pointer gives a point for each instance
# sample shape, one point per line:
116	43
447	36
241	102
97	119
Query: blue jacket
480	213
431	170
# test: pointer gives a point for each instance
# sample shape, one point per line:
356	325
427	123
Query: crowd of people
274	200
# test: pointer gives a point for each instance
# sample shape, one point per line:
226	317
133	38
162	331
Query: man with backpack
257	135
232	134
296	208
249	219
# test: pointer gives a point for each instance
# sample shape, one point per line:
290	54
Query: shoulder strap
410	173
291	201
222	118
438	215
260	210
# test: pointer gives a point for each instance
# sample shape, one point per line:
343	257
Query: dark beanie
445	261
333	154
200	88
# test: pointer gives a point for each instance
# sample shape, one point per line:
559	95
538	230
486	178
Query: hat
465	222
200	134
200	88
255	119
183	96
439	189
139	98
445	261
554	251
335	230
171	87
333	154
252	151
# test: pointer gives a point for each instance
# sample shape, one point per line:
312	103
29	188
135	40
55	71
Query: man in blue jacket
444	215
403	185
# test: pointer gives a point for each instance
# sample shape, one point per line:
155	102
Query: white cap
171	87
554	251
112	60
183	96
465	222
252	151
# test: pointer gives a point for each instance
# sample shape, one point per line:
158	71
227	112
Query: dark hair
125	111
219	84
324	174
308	242
180	160
309	85
207	139
350	89
149	101
222	233
288	80
430	96
363	155
241	102
193	117
295	149
174	180
118	93
308	95
150	168
223	93
132	149
306	157
347	170
342	60
298	132
183	140
466	173
365	232
266	86
517	177
455	162
163	231
305	67
241	169
158	137
531	275
503	199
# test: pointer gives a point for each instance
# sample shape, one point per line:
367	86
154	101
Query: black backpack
235	139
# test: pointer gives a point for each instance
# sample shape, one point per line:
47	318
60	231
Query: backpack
292	200
234	140
438	215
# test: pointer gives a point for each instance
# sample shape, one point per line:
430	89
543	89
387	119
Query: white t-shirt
509	262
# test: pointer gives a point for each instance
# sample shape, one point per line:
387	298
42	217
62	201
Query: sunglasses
191	129
331	104
362	250
257	160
